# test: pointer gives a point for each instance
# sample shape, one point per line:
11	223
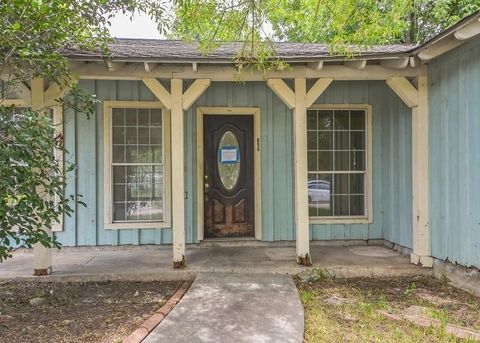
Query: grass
354	314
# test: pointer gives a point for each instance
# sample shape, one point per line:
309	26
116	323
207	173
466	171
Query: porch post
42	256
421	254
178	184
301	173
417	100
177	101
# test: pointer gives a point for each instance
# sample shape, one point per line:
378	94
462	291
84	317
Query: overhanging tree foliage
34	32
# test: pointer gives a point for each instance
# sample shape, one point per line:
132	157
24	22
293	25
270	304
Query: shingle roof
172	50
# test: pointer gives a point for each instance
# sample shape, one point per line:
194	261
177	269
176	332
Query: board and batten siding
454	140
391	163
84	143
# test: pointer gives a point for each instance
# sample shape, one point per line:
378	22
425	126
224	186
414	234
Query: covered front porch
154	262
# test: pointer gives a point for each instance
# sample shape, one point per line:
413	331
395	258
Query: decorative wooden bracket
193	92
404	89
284	92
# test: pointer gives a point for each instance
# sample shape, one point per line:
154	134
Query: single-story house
382	146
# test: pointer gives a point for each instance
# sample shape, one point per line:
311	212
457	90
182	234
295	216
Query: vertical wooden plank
472	122
106	90
68	236
86	182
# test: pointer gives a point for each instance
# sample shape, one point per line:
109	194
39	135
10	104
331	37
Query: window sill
137	225
332	220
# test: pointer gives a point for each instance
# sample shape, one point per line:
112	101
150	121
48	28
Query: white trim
368	219
135	71
202	111
107	169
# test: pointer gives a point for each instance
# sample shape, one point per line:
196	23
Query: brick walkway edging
151	323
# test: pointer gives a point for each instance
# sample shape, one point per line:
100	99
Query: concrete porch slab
149	263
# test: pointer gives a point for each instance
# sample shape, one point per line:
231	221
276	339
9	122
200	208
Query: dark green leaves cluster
33	35
32	180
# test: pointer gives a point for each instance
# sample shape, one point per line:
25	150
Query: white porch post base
423	261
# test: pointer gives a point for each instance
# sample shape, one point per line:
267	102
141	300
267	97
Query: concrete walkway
226	307
148	263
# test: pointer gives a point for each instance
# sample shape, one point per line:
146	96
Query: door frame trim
203	111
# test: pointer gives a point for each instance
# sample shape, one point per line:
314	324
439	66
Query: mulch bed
78	312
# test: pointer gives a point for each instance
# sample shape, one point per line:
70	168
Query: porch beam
42	256
283	91
193	92
136	71
158	90
421	254
405	90
317	89
301	173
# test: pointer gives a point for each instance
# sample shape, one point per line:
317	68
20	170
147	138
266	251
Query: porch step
241	242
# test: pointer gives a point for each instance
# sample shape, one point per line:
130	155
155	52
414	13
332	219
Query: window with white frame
137	165
337	144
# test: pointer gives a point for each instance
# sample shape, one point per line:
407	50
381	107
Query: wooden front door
229	176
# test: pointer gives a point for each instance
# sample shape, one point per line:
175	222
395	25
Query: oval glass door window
228	160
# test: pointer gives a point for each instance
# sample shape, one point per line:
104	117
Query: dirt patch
358	316
78	312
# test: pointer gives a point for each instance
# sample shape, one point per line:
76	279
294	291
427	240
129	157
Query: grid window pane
342	120
325	141
336	152
312	140
319	194
312	120
137	164
325	120
357	140
342	140
357	120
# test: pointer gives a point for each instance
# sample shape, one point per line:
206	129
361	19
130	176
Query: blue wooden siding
391	163
391	140
454	103
84	142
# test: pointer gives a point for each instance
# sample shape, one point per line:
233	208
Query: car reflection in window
319	193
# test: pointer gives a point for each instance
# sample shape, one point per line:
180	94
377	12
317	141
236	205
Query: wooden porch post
299	100
301	172
178	184
417	100
421	228
42	256
177	101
